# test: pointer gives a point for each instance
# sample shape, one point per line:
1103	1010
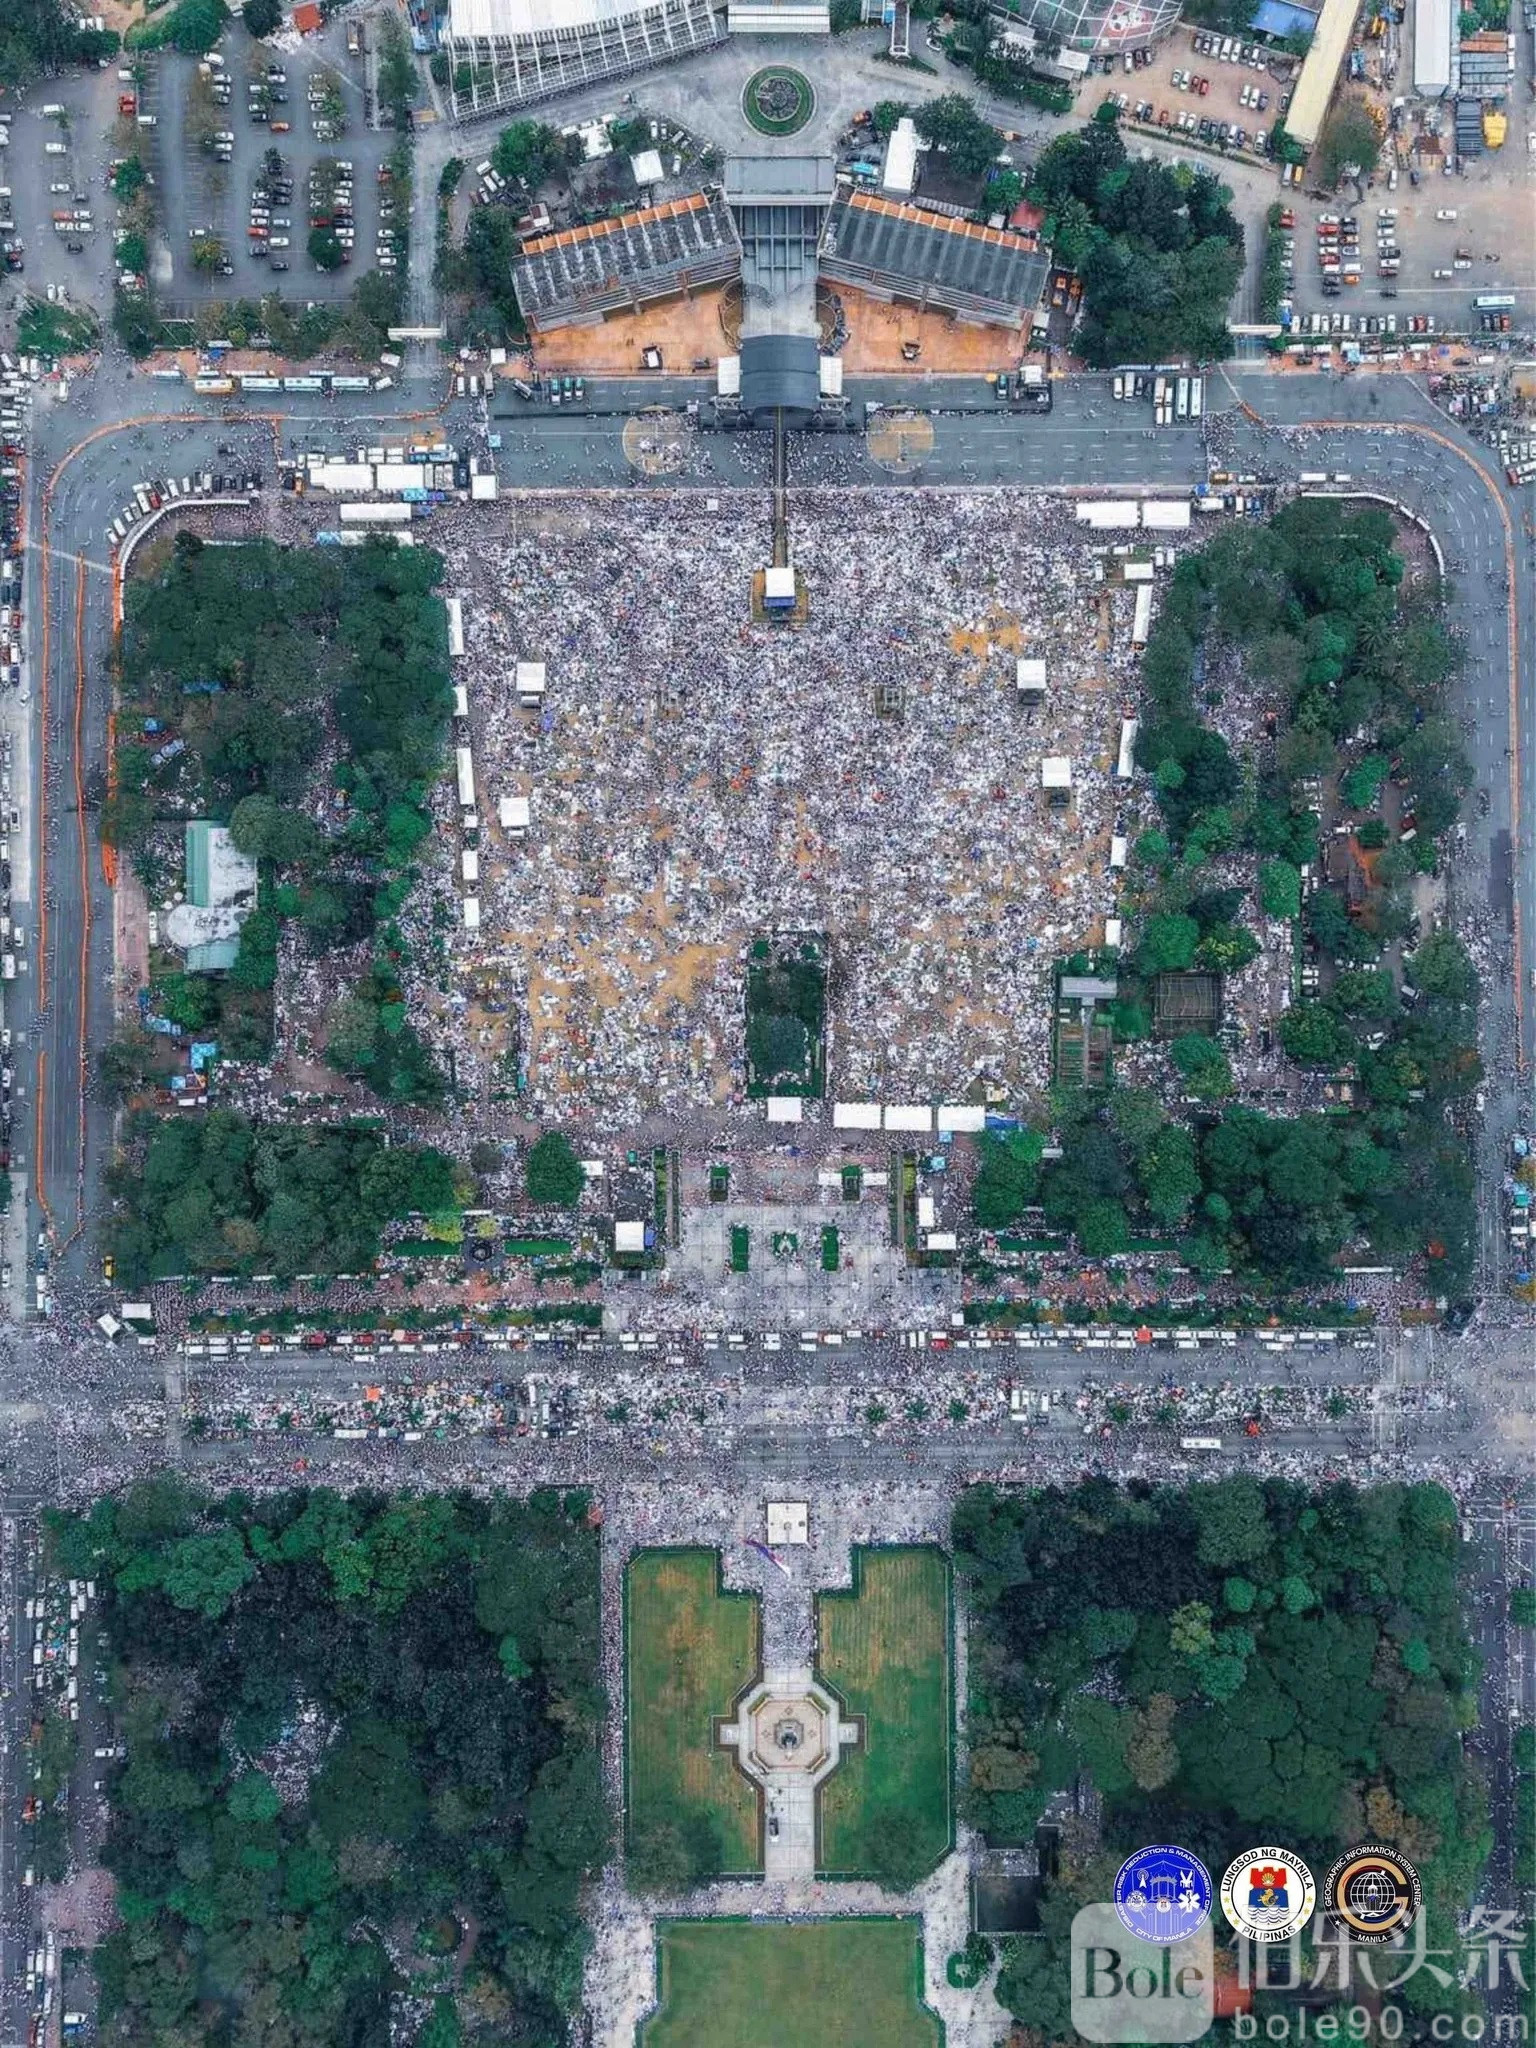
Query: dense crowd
696	778
673	1408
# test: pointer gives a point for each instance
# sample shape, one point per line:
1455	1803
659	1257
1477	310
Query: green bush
554	1175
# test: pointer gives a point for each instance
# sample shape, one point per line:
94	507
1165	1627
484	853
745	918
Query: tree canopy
1157	247
335	1768
220	1194
1232	1662
554	1175
263	662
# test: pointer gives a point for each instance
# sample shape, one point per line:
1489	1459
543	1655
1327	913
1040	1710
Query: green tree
1364	992
397	71
1189	1629
951	123
1151	1753
325	250
553	1174
1362	785
1280	889
1443	967
205	1573
262	17
1314	1037
1350	142
1007	1176
1205	1067
442	2029
528	152
1168	943
1230	1516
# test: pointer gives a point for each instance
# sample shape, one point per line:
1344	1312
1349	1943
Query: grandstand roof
882	245
647	254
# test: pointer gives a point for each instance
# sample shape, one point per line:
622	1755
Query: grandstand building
520	52
577	277
908	256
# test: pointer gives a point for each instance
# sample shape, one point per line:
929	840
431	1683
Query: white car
1445	213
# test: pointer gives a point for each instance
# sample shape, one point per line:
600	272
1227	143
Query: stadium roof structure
1093	26
894	251
519	52
579	275
780	372
1320	72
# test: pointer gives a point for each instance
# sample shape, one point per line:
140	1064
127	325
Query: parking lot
1453	246
64	179
216	180
1189	82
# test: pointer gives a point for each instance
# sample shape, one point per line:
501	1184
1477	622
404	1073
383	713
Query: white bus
1181	403
1199	1443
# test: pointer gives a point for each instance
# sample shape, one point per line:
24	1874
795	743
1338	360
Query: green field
689	1650
885	1646
816	1984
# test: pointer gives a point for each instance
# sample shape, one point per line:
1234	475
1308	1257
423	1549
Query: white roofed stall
1109	514
908	1116
961	1116
856	1116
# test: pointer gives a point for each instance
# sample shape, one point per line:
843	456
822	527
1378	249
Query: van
53	111
56	149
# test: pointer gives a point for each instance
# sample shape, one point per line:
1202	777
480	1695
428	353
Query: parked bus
1181	402
1495	302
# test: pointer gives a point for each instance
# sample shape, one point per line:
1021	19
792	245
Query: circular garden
777	100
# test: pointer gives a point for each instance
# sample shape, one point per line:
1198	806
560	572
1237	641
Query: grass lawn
885	1647
690	1649
815	1984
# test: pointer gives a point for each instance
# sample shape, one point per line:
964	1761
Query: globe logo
1373	1893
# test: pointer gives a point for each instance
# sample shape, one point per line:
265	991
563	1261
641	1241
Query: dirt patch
81	1912
688	331
881	338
